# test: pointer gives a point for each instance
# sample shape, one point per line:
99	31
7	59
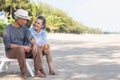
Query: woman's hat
22	14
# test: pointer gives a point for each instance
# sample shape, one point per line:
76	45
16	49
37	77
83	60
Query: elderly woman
39	34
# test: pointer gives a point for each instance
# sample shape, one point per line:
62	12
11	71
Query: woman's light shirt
39	37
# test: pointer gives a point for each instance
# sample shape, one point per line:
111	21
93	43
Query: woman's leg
49	61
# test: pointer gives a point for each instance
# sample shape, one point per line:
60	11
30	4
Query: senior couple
15	37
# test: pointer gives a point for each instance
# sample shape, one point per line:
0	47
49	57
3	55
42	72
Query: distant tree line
57	20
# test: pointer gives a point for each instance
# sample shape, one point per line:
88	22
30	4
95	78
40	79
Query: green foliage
11	20
57	20
1	28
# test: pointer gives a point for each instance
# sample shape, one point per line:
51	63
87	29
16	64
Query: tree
57	20
10	6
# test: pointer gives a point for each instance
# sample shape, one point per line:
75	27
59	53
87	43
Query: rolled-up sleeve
6	37
44	41
29	35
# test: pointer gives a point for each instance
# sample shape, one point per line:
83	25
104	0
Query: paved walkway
79	57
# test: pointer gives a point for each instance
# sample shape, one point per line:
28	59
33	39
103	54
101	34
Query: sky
102	14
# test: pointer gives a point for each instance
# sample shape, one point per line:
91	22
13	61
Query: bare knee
39	51
47	52
21	51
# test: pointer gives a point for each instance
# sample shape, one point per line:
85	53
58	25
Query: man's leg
38	63
19	54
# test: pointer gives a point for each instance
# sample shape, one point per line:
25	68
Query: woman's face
38	24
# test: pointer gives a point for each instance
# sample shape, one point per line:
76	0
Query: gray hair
16	17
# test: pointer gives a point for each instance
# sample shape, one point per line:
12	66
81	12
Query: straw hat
22	14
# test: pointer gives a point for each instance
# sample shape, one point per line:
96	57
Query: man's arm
6	37
32	41
34	46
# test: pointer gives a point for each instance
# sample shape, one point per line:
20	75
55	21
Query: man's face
21	21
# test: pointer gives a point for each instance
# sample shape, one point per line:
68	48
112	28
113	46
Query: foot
53	73
24	76
39	74
43	72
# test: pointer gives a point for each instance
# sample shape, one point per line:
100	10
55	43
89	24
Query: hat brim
24	17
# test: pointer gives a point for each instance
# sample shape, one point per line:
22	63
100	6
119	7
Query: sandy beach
78	57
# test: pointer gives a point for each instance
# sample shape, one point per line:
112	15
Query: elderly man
14	38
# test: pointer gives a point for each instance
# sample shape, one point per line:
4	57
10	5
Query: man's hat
22	14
